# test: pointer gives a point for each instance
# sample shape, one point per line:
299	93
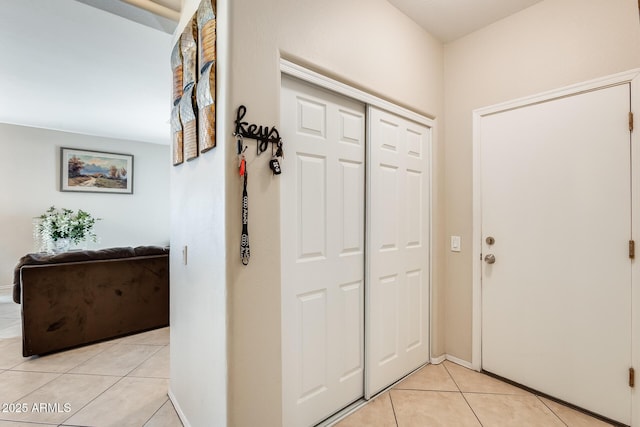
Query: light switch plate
455	243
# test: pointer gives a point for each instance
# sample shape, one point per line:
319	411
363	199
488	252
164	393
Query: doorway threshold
555	399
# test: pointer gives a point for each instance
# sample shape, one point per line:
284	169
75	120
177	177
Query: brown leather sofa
76	298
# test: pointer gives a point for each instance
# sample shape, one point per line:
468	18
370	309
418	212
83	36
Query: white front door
556	199
398	248
322	222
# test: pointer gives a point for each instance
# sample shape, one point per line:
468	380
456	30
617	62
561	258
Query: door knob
490	258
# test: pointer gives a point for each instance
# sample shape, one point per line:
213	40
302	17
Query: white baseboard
176	405
6	289
460	362
438	360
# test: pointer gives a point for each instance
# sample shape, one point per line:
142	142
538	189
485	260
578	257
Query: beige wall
225	318
552	44
367	43
198	306
225	365
32	185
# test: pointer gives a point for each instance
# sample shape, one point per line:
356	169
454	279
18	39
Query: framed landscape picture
95	171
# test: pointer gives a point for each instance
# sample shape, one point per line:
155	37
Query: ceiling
72	67
449	20
162	15
102	68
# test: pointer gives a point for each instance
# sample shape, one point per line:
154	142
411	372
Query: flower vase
61	245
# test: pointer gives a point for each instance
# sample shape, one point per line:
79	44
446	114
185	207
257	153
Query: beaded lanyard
245	253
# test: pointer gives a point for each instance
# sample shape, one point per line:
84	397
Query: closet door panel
398	248
322	255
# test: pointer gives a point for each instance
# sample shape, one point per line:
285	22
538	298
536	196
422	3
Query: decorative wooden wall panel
193	61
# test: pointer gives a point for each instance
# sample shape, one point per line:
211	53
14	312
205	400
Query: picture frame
90	171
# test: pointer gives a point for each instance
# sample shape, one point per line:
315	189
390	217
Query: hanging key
274	164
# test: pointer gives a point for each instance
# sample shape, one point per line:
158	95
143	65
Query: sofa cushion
77	256
150	250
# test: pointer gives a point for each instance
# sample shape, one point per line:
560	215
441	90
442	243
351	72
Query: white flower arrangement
58	224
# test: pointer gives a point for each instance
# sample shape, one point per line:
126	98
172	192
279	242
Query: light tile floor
124	382
451	395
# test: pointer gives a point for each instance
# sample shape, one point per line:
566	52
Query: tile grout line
91	401
451	376
98	395
33	391
471	407
141	363
63	373
506	394
101	352
68	371
393	409
74	413
462	394
552	411
427	390
109	388
25	360
493	393
147	377
156	411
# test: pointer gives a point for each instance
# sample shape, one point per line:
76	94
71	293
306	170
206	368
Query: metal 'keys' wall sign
263	134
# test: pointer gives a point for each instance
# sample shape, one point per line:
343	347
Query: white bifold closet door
322	220
398	248
326	256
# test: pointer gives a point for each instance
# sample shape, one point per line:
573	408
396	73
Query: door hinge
630	121
632	378
632	249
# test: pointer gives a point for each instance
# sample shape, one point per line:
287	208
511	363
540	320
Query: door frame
319	80
631	77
